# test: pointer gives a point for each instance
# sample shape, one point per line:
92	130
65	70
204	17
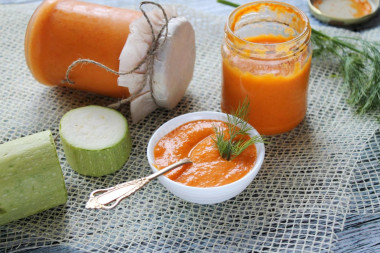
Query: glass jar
62	31
266	58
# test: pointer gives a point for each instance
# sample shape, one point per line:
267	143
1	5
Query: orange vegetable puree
62	31
268	39
194	140
274	98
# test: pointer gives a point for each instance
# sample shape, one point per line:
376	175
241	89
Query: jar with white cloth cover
142	57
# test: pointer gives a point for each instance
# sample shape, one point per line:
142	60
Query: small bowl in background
203	195
333	14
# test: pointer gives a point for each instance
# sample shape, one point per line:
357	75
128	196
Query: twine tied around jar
148	58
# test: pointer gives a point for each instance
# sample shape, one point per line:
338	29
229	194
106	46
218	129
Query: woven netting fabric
311	176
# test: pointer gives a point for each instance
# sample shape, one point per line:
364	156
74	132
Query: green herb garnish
359	65
237	127
227	3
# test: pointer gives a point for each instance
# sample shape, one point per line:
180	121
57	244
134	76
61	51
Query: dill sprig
359	67
237	127
228	3
359	64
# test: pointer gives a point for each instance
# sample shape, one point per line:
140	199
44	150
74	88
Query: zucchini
95	139
31	178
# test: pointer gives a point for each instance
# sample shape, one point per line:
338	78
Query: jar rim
306	32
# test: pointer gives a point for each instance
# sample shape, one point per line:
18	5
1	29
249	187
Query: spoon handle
111	197
170	167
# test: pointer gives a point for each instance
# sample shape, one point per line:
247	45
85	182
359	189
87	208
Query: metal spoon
111	197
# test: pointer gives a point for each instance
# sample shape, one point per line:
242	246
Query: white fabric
173	64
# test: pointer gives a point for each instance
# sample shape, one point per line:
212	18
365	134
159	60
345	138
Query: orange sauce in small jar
266	58
209	169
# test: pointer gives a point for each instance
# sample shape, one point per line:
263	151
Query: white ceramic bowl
203	195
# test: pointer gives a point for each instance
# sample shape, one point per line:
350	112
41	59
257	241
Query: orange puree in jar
62	31
268	39
209	169
274	99
267	60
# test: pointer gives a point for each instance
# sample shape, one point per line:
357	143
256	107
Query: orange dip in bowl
209	169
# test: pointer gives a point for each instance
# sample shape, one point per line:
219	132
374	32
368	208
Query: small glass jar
266	58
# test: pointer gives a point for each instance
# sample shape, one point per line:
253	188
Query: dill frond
237	128
227	3
359	67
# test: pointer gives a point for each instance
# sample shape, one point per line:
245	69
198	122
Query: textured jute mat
311	177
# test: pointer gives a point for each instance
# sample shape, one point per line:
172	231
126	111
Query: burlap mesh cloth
311	177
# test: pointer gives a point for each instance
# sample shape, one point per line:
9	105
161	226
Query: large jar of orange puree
62	31
266	58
